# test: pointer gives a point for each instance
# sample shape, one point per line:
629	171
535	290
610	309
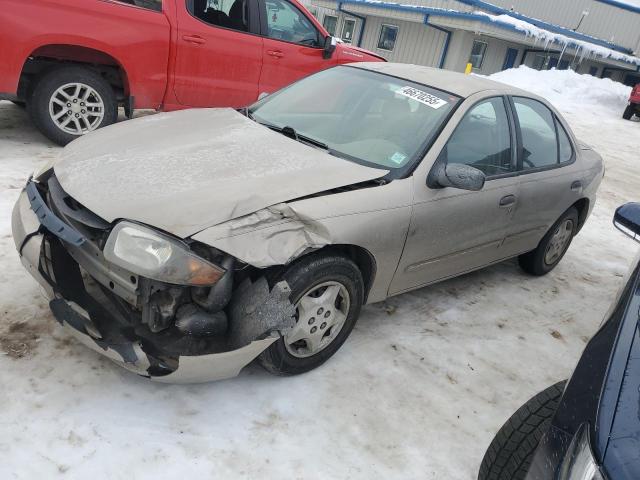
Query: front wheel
511	451
629	111
70	102
327	292
553	245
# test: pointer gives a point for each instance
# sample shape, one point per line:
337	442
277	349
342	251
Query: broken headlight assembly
154	255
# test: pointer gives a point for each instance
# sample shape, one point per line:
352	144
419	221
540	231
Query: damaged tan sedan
185	245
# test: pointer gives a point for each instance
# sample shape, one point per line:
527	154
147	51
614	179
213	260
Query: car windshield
361	115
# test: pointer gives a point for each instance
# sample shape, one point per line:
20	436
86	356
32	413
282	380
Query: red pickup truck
73	62
634	104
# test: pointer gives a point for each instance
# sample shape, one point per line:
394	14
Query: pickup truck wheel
69	102
327	291
553	245
629	111
511	451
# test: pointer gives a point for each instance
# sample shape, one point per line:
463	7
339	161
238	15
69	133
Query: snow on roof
546	36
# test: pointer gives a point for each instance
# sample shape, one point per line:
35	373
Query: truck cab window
231	14
148	4
286	22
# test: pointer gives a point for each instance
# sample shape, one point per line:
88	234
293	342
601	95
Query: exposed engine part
193	320
215	298
160	310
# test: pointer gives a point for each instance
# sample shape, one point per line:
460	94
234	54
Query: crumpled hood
189	170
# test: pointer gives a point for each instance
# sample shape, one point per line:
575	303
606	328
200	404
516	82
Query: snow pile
584	48
569	91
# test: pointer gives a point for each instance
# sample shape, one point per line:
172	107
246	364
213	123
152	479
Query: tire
46	88
510	453
629	112
536	262
307	276
19	103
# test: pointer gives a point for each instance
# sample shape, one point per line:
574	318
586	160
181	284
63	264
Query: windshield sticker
422	97
397	158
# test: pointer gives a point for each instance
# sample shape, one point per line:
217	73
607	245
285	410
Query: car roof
452	82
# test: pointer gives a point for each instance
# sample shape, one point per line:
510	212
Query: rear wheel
327	291
553	245
629	112
511	451
70	102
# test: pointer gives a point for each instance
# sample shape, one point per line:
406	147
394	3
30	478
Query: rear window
155	5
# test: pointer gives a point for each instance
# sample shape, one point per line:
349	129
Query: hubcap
320	313
76	108
559	242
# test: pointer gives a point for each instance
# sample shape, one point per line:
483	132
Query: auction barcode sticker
422	97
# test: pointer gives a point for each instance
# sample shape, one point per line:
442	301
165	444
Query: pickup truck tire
628	112
511	451
327	291
70	101
553	245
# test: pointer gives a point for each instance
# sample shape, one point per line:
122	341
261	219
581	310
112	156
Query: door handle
198	40
275	53
507	200
576	186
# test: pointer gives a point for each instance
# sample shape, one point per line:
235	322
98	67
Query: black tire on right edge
510	453
629	111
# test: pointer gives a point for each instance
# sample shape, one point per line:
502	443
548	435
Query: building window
388	35
330	23
477	53
348	26
539	61
593	71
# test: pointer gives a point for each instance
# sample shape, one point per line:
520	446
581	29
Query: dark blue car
588	427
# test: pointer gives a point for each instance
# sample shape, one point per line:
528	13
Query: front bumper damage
99	304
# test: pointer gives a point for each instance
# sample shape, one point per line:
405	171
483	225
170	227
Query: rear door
550	177
454	231
218	54
293	45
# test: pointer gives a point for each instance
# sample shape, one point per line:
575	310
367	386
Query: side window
482	139
330	23
286	22
148	4
537	125
223	13
565	148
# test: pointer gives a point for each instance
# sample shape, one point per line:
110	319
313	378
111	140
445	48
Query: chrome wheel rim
76	108
320	315
559	242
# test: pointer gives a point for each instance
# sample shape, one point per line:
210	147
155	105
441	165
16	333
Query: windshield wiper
290	132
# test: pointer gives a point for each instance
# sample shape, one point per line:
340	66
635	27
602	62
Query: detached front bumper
101	319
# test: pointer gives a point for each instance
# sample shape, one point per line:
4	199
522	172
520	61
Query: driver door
292	45
454	231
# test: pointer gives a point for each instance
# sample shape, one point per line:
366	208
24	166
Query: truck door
218	54
293	45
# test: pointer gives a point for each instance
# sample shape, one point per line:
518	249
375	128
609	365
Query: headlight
153	255
579	463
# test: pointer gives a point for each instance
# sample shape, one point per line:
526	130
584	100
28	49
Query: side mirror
456	175
627	219
330	43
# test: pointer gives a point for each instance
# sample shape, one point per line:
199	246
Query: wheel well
362	258
49	57
582	206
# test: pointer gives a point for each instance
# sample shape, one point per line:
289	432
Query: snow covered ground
417	391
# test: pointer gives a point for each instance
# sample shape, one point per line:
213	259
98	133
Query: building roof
446	80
